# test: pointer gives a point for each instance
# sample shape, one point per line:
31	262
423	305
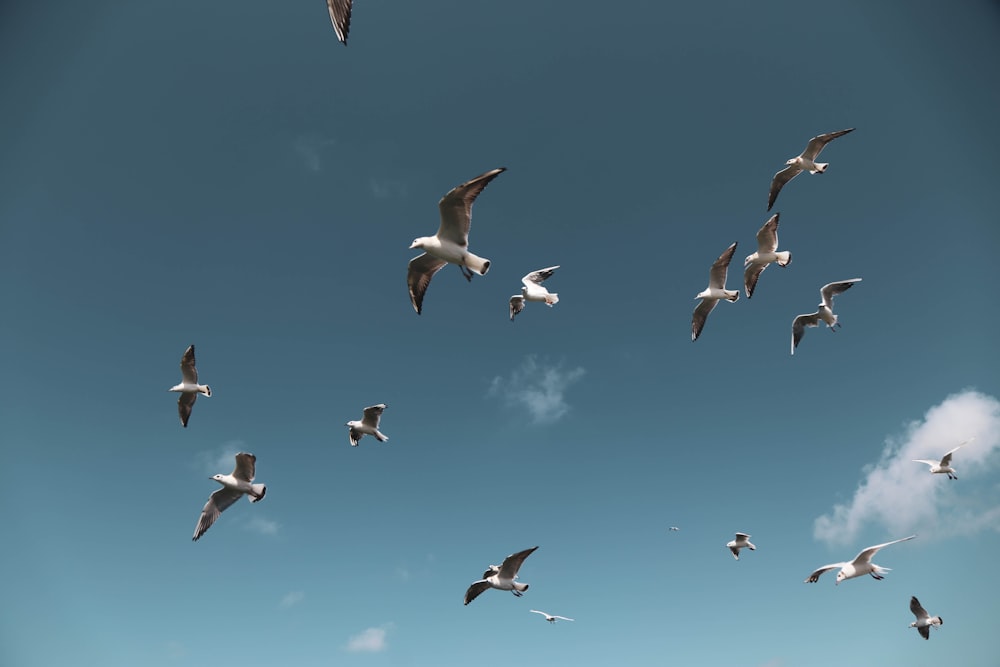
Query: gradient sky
227	174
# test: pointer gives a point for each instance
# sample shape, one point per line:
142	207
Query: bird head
840	577
217	478
417	243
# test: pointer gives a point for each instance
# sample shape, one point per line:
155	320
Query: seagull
742	540
368	425
189	387
805	161
234	486
715	291
825	311
340	17
674	528
860	566
767	246
451	243
549	617
945	465
924	620
533	291
502	578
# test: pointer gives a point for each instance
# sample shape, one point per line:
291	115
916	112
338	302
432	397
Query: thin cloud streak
371	640
291	599
903	497
539	389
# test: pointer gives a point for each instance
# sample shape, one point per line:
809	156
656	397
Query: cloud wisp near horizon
538	388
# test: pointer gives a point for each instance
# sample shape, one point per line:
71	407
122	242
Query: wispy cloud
291	599
538	388
263	526
387	187
310	148
903	497
221	459
371	640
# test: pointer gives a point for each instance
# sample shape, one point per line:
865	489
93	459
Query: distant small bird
944	466
767	246
189	387
340	17
502	577
716	290
805	161
824	312
234	487
924	620
742	540
860	566
368	425
532	290
674	528
549	617
451	243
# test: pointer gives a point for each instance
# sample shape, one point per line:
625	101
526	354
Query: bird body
715	292
188	387
943	467
502	577
924	620
860	566
804	162
367	425
234	486
742	540
532	290
551	618
824	312
767	252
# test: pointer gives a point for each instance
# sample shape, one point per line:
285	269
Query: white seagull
532	290
742	540
340	17
715	291
549	617
189	387
451	243
924	620
674	528
944	466
502	577
824	312
767	246
805	161
368	425
234	486
860	566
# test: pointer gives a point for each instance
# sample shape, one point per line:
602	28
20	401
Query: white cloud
371	640
221	459
539	389
310	147
291	599
263	526
903	497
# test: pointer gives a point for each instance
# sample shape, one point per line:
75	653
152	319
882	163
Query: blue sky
227	174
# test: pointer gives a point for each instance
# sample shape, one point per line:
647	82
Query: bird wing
188	370
516	305
736	552
373	414
917	610
563	618
418	276
699	316
246	467
720	268
538	277
742	536
512	563
767	236
927	461
355	436
184	404
866	555
830	290
750	277
456	207
799	325
340	17
535	611
475	589
925	631
816	144
946	459
216	505
779	180
814	577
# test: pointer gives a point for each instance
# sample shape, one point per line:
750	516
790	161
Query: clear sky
227	174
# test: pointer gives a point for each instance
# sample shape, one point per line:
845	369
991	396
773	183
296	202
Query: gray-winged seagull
532	290
767	246
944	465
368	425
234	487
551	618
804	162
742	540
715	291
502	577
189	387
860	566
340	17
924	620
451	243
824	312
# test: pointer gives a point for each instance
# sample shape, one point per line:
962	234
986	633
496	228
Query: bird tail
380	436
551	299
820	168
878	571
733	295
751	546
258	492
478	264
519	587
207	390
784	258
